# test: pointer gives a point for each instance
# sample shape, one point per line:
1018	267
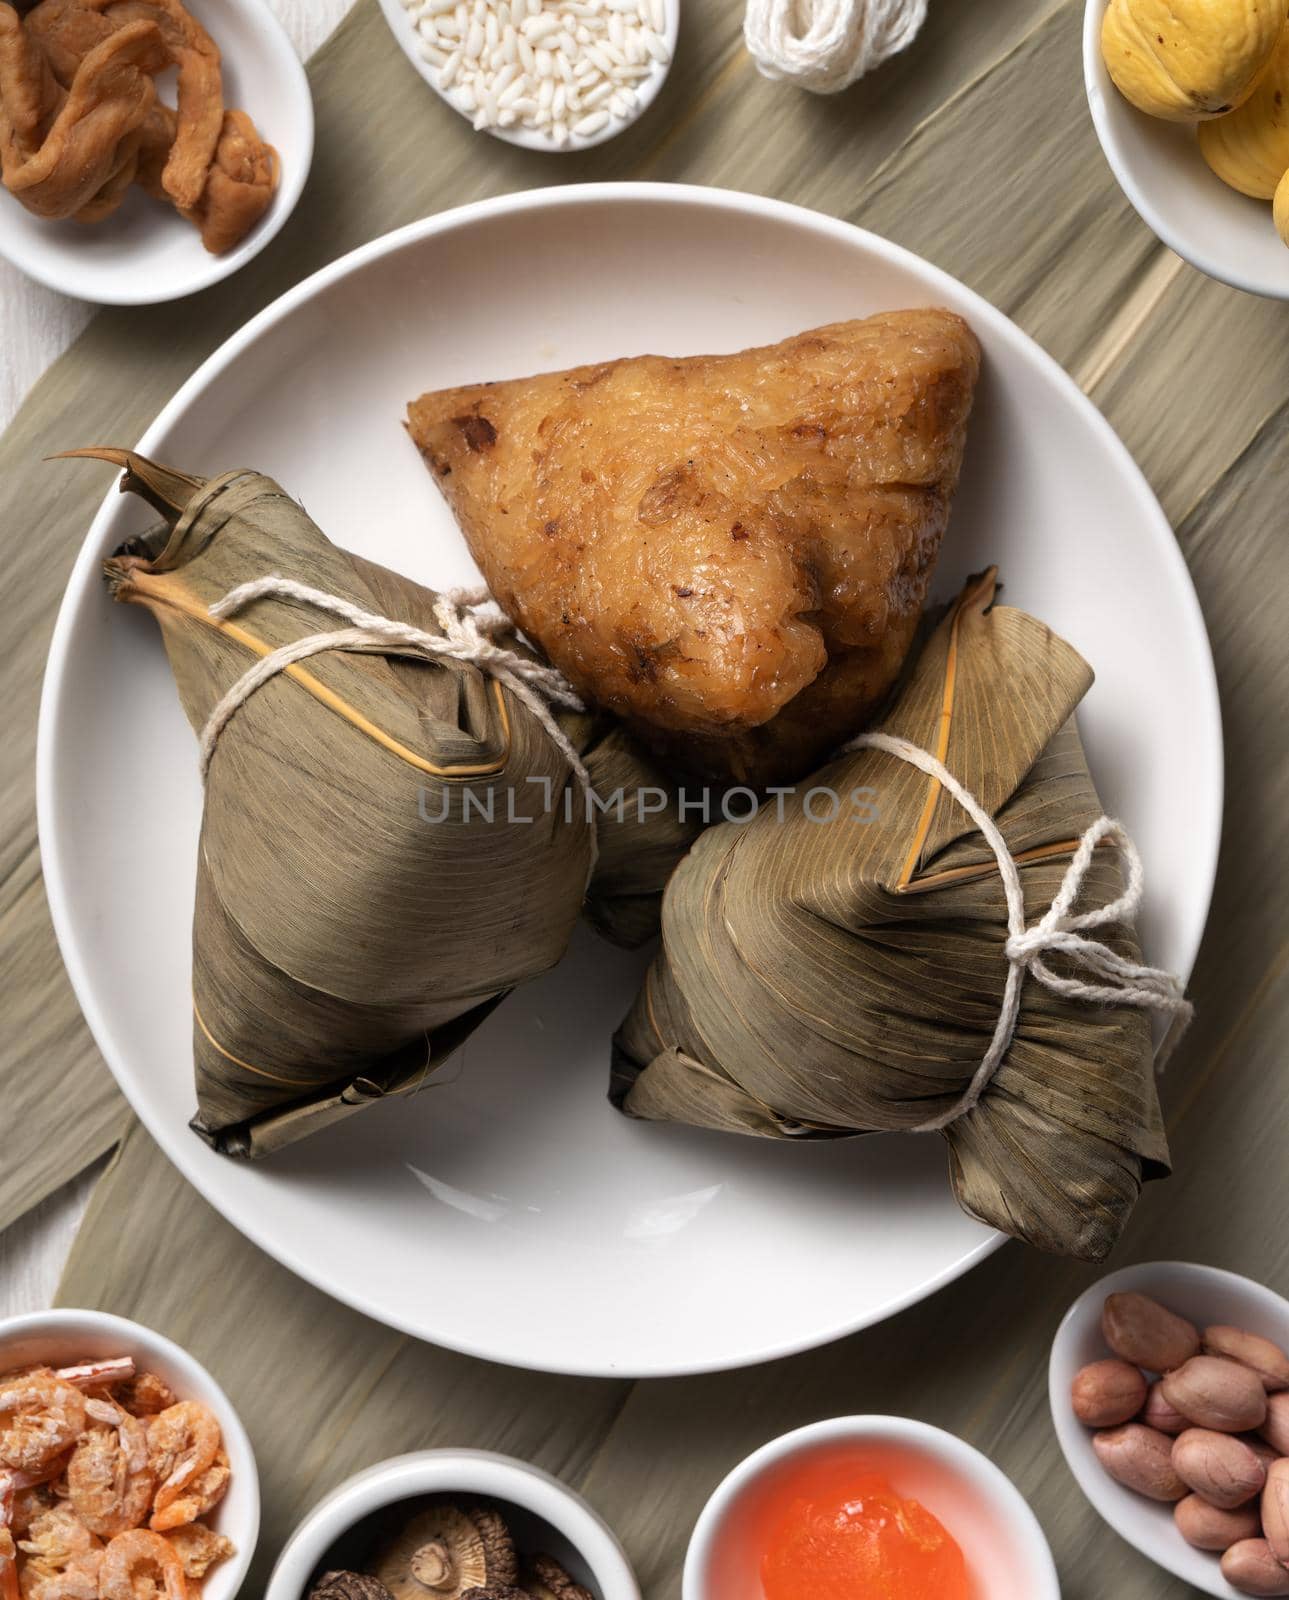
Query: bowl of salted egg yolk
861	1507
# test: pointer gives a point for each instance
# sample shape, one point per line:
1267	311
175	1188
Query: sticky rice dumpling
390	840
731	552
835	967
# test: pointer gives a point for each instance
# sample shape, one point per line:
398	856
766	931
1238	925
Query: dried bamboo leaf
389	843
827	978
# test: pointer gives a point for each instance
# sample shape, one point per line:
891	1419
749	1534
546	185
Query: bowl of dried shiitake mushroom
453	1525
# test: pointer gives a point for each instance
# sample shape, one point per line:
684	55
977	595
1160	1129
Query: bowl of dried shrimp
124	1469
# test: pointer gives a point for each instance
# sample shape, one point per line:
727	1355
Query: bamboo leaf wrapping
819	979
378	865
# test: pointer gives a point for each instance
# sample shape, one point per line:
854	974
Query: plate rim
579	195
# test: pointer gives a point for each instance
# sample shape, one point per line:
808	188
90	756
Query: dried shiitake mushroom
504	1591
545	1579
348	1586
443	1553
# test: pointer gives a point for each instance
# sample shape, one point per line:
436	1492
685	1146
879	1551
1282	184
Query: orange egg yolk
862	1541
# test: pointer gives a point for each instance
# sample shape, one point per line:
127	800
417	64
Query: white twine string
825	45
1122	983
470	619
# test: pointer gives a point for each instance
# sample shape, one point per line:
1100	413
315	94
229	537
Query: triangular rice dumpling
389	843
836	966
731	552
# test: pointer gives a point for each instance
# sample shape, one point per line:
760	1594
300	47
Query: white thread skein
826	45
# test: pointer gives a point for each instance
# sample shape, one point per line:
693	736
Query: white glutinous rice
562	69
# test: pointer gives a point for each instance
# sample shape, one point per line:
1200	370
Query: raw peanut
1265	1454
1147	1334
1213	1392
1221	1469
1251	1568
1275	1509
1275	1429
1207	1528
1157	1413
1140	1459
1251	1350
1106	1393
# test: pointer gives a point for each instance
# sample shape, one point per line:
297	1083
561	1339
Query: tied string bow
1103	976
470	620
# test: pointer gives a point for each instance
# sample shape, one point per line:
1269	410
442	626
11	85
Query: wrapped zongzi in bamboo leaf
848	962
395	833
644	825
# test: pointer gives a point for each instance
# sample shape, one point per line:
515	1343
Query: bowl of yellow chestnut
1190	99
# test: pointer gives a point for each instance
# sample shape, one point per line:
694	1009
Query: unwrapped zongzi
391	839
731	552
829	969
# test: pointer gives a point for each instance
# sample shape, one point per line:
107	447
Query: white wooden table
36	326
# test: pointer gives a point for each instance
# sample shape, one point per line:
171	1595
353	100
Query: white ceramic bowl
544	1514
1004	1547
402	22
147	253
1160	169
1205	1295
60	1338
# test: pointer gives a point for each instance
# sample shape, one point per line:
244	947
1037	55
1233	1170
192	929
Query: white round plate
147	253
1173	189
670	1250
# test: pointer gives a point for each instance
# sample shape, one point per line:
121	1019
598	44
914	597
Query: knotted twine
470	620
825	45
1110	979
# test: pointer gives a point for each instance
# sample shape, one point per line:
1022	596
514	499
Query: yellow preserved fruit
1187	60
1249	149
1281	208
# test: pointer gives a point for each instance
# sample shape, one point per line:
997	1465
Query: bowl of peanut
1169	1388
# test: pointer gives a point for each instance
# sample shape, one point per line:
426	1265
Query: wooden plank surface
33	1251
976	150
